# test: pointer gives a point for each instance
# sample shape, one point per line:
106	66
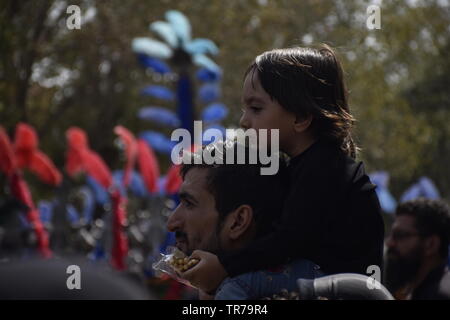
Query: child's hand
204	296
208	274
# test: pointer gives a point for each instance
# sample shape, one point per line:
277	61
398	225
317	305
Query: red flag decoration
77	141
120	242
80	157
7	159
96	168
25	144
25	154
130	144
29	156
77	138
148	165
44	168
20	190
25	137
174	180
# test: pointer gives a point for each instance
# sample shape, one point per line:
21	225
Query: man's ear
432	245
302	124
239	221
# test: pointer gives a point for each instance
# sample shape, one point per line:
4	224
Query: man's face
404	252
195	220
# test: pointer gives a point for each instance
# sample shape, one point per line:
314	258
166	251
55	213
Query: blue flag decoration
180	25
158	141
207	75
209	92
72	214
151	48
101	195
159	115
214	112
201	46
387	201
136	186
423	188
88	204
165	31
155	64
45	211
203	61
159	92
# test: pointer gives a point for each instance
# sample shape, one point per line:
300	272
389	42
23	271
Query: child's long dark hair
309	81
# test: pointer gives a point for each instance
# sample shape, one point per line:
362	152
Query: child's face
261	112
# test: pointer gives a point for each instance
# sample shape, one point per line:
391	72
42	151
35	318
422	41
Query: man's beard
211	245
401	270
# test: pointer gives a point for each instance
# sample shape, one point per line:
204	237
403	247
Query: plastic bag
167	264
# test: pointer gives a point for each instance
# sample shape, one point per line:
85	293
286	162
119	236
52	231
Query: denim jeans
266	283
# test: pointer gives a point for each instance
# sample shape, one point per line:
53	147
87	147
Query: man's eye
188	204
255	109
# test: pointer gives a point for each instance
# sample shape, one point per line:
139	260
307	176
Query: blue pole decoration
185	103
182	52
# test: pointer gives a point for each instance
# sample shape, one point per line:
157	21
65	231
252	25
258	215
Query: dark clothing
331	216
436	286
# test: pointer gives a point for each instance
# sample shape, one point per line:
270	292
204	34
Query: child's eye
256	109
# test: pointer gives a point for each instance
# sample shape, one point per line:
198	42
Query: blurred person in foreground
53	279
417	251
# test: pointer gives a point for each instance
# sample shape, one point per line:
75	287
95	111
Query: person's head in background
418	242
301	92
225	206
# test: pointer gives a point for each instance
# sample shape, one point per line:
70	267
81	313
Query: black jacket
435	287
331	216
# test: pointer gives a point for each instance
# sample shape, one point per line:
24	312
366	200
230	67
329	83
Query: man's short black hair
233	185
432	218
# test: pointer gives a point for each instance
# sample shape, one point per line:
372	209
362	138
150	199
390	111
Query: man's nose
244	122
175	221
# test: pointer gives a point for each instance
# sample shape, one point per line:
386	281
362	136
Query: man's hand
208	274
